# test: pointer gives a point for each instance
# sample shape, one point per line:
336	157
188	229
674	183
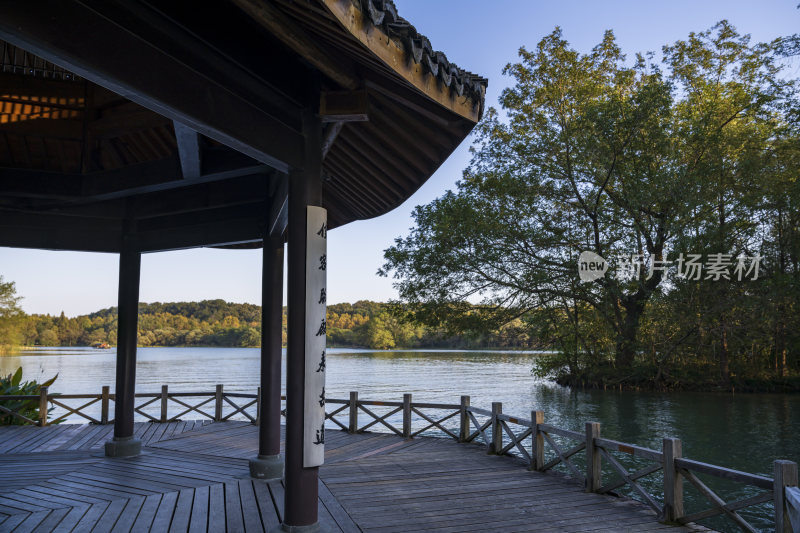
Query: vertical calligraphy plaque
316	328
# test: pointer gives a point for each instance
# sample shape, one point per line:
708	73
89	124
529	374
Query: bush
12	385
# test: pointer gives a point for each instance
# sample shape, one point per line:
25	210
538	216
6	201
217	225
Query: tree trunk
626	336
780	344
724	369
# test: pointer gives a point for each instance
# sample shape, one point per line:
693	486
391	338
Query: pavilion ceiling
85	145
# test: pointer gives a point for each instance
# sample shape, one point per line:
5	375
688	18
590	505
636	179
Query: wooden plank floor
193	476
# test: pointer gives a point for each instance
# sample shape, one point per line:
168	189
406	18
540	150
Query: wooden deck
193	476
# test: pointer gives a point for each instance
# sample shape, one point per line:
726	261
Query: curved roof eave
398	45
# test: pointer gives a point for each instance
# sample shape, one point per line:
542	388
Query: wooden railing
584	456
792	496
226	405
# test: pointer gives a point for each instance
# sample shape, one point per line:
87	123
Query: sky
478	35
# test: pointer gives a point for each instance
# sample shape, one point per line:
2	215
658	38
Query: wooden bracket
344	106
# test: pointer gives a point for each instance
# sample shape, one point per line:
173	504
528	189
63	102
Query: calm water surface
741	431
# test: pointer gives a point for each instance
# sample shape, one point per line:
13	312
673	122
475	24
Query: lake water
742	431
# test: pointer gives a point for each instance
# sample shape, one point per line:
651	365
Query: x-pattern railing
516	440
332	415
73	410
531	439
562	456
689	470
140	409
480	427
240	409
188	408
380	419
435	423
606	448
502	434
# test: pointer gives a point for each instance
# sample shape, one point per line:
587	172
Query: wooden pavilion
138	126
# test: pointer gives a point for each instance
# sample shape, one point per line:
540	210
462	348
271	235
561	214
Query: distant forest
219	323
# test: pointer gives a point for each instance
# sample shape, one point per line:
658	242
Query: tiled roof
383	13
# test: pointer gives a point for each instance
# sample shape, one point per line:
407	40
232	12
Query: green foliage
696	154
12	385
219	323
10	315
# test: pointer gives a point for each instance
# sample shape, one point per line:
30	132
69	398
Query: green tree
596	153
10	315
378	335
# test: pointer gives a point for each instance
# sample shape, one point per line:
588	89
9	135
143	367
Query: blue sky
479	35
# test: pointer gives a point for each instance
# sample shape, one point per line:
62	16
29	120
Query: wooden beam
240	230
344	106
279	211
331	132
202	197
188	150
217	227
393	55
277	23
143	178
125	122
19	230
110	53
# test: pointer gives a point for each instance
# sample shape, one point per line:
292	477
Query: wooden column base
311	528
266	467
123	447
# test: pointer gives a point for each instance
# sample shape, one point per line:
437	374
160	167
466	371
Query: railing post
463	433
673	481
594	474
104	404
43	406
353	425
218	405
164	402
258	407
537	440
497	430
785	476
407	416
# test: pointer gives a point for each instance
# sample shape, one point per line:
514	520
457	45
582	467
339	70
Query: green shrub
12	385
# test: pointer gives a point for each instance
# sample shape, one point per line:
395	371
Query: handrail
792	495
531	441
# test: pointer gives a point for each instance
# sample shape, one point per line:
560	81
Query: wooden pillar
594	471
124	444
407	416
352	426
268	464
164	403
673	481
464	426
218	392
537	440
785	476
104	401
43	406
305	188
497	429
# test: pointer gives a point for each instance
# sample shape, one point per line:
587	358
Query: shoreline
639	381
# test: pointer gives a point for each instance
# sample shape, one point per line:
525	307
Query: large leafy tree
597	152
10	314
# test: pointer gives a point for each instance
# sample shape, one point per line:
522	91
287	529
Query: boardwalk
193	476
